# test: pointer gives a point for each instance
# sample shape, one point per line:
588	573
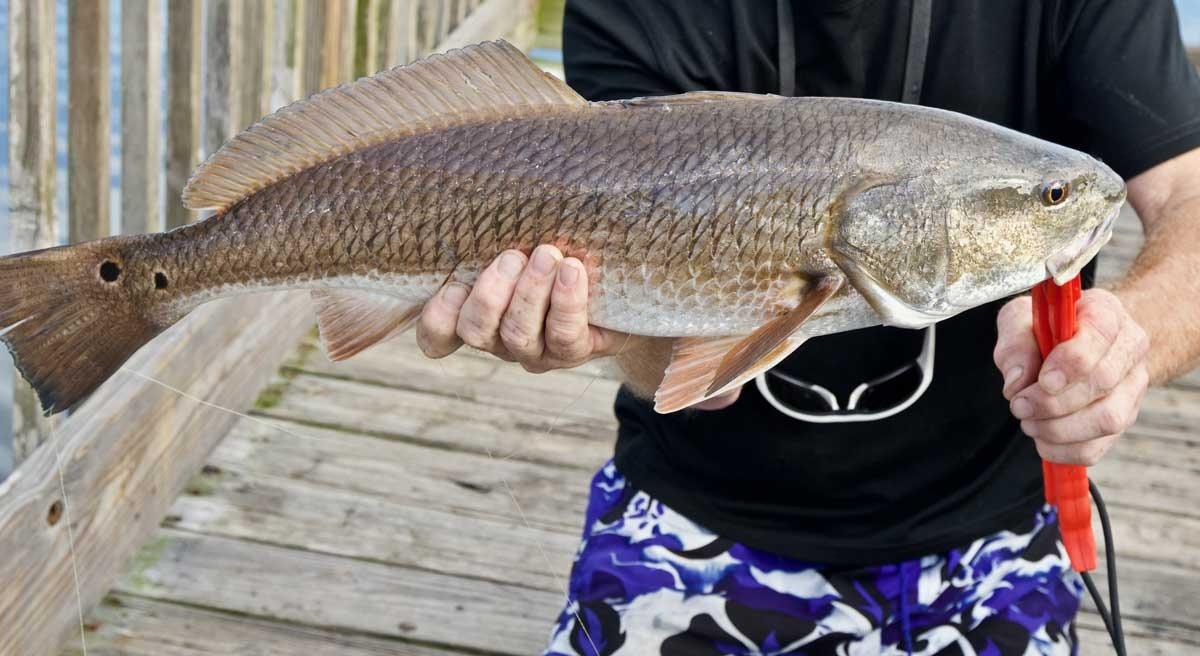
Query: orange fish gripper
1066	485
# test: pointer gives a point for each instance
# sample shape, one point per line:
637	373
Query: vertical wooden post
88	119
428	12
337	42
284	67
30	173
378	13
183	104
221	80
402	37
141	115
309	44
250	54
443	21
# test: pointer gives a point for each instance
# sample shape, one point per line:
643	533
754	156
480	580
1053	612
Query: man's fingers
479	319
1016	353
1125	353
568	337
521	327
1086	454
437	328
1100	320
1111	415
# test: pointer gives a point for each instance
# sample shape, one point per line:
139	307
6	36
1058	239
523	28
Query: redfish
742	224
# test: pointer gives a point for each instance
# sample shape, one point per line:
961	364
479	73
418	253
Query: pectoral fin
702	368
352	321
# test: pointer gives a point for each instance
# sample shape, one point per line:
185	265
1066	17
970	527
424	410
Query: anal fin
352	321
702	368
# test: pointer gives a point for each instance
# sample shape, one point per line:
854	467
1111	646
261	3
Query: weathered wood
284	65
309	44
402	39
251	51
426	26
511	19
31	120
440	421
222	78
585	395
237	500
126	625
337	43
346	594
378	15
141	116
443	20
88	120
183	105
125	455
464	483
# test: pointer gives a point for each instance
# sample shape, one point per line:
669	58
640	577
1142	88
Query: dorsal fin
489	79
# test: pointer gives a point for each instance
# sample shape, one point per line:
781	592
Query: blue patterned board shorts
647	581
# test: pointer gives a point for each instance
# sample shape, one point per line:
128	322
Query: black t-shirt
1110	78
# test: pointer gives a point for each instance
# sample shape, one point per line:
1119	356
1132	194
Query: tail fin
68	320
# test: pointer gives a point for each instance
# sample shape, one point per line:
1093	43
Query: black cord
1111	622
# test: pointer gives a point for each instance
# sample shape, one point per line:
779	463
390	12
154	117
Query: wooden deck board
371	514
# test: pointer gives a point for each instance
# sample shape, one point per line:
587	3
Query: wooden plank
1093	639
222	81
435	420
379	14
183	105
127	625
125	455
585	395
141	116
342	594
426	26
467	484
337	43
251	49
444	20
234	499
310	22
402	40
1156	602
283	67
88	120
31	119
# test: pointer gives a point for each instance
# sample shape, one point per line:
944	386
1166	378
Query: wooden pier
233	492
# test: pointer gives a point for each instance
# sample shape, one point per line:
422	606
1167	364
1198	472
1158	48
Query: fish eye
1056	192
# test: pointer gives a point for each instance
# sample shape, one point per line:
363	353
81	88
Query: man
746	530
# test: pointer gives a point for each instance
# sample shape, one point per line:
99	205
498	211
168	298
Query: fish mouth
1068	262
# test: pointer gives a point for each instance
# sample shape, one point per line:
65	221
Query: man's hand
528	310
1088	391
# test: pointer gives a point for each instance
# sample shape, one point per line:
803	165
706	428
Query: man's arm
1087	392
1162	290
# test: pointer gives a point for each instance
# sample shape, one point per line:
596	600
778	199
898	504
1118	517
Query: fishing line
503	480
525	520
62	484
554	424
262	422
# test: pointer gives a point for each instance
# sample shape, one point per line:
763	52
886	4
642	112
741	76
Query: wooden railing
126	453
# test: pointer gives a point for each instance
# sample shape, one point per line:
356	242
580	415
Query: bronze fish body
742	223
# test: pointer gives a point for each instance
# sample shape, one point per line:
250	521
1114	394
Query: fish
741	225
